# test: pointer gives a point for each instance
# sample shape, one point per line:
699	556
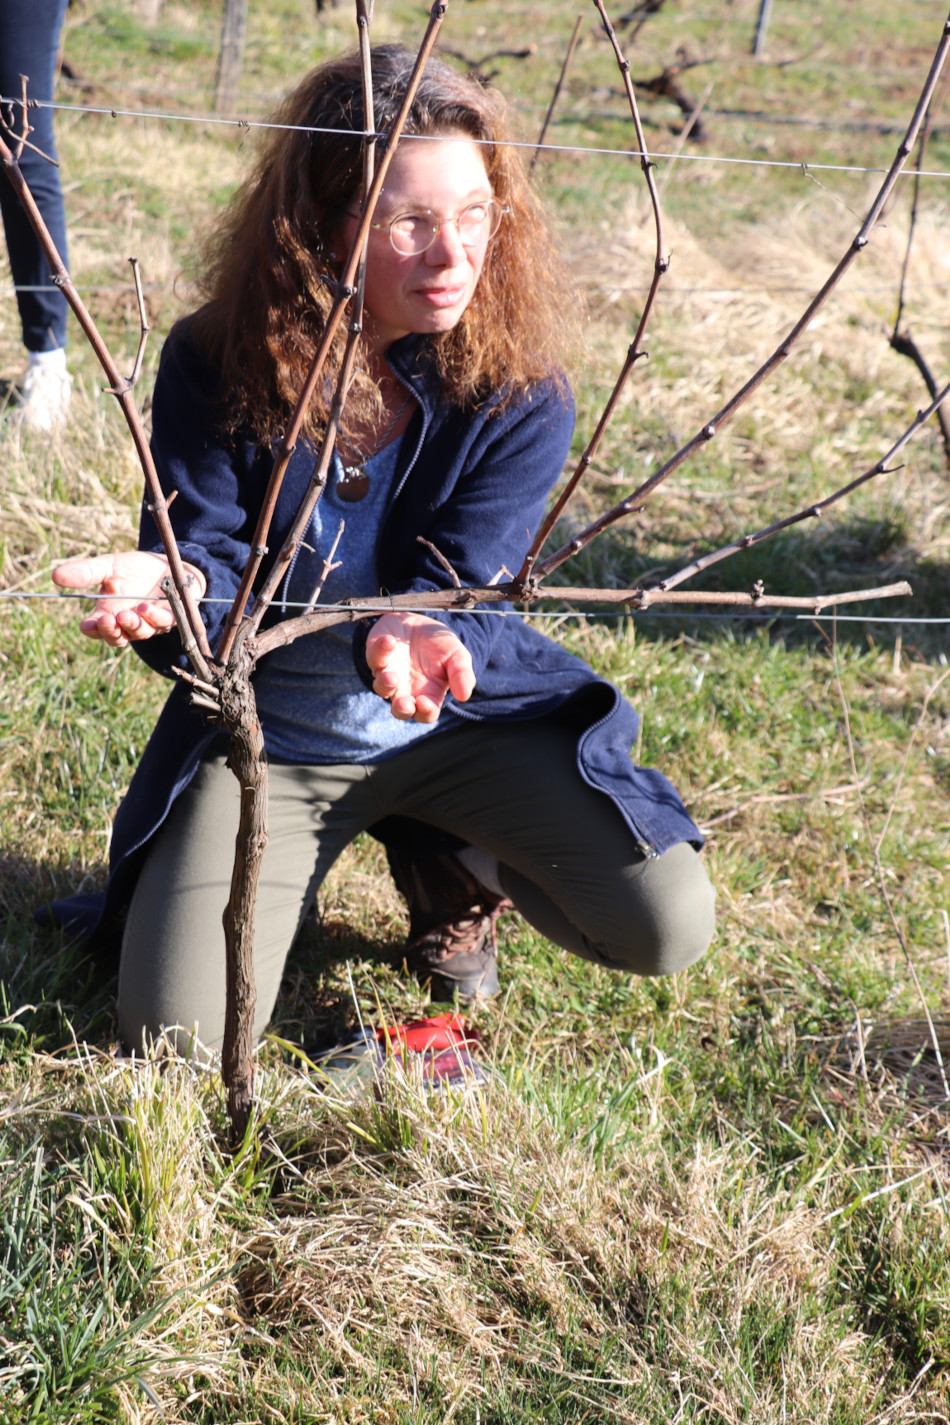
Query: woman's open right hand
415	662
130	606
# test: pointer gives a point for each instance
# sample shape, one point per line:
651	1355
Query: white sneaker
45	391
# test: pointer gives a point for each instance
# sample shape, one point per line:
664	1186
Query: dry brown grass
725	306
414	1237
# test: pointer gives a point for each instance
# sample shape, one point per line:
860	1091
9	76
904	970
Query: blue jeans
29	37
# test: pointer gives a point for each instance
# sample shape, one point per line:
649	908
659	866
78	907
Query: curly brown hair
263	269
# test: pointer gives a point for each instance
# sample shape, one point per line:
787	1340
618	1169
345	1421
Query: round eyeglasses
414	233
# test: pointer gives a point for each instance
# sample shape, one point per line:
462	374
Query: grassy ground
719	1198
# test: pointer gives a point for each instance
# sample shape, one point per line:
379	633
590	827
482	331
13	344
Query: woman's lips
441	296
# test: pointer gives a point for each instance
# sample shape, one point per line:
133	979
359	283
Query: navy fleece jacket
474	485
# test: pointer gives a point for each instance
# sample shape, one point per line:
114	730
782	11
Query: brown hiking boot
453	941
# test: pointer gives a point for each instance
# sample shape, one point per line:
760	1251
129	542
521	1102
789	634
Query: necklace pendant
355	484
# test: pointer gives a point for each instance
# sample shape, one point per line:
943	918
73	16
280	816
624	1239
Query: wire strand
738	616
247	124
8	289
632	153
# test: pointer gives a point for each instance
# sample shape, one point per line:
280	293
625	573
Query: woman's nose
448	248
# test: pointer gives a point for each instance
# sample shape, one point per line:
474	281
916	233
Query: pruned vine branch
635	351
345	293
902	341
477	67
119	386
238	702
461	599
814	511
572	46
144	327
710	428
666	85
26	128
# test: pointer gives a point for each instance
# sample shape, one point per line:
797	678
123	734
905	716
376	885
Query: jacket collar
411	361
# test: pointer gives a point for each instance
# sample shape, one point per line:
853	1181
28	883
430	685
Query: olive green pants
567	860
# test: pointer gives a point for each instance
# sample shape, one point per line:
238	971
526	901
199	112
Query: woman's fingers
81	573
104	627
127	624
415	661
388	655
458	671
393	682
388	658
427	702
130	607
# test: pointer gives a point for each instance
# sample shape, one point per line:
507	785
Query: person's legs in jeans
29	38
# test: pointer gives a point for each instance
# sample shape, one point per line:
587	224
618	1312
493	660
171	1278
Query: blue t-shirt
313	706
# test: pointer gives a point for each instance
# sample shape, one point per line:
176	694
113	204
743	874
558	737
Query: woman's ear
341	238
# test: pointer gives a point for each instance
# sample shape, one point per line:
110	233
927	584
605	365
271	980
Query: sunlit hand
415	662
119	619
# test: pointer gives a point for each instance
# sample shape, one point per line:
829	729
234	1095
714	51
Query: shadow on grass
52	989
53	986
808	560
315	1006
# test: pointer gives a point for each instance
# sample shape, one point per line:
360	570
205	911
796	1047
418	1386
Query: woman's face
427	292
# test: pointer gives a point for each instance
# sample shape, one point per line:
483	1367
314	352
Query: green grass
717	1198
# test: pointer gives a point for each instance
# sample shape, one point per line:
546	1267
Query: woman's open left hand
130	606
415	662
